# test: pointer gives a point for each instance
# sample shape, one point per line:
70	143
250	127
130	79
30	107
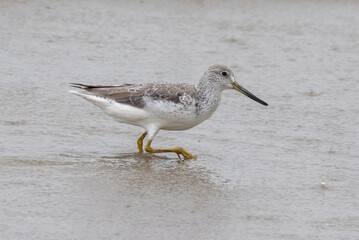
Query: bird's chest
186	114
207	106
179	119
194	113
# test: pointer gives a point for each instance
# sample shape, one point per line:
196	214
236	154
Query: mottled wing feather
133	94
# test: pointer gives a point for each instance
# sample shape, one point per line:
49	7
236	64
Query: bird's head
223	77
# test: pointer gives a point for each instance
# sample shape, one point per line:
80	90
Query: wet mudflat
70	172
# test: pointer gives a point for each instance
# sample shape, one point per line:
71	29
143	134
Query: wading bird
167	106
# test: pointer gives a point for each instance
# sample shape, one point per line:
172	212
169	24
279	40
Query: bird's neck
208	88
208	96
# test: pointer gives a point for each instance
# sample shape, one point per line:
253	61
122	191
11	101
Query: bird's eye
224	73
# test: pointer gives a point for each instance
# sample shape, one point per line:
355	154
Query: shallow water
70	172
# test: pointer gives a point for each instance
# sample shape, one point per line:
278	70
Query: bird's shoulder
174	92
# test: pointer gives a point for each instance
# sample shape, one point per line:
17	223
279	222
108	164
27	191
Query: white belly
174	117
160	114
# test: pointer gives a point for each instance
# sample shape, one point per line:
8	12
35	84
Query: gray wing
133	94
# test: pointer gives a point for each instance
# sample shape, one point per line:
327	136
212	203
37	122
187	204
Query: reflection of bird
167	106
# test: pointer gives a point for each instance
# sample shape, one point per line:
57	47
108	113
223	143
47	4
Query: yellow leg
176	150
140	142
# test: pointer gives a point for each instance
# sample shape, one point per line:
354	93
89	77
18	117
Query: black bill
241	89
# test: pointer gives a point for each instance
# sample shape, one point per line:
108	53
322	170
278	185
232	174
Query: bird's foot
185	154
178	150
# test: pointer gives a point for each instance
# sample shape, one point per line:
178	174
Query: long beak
241	89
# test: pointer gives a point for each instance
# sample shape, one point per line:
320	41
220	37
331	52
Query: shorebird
167	106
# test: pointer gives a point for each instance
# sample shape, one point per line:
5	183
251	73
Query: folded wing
133	94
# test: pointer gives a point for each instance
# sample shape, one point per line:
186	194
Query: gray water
70	172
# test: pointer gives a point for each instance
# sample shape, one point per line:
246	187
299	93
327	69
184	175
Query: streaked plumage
167	106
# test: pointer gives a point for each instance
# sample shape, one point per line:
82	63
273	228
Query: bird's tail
81	86
85	94
98	101
88	87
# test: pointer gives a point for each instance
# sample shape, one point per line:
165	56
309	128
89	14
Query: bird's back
138	95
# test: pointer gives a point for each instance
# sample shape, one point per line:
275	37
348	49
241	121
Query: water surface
70	172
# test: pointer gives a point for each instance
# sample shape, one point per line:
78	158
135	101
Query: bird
164	106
